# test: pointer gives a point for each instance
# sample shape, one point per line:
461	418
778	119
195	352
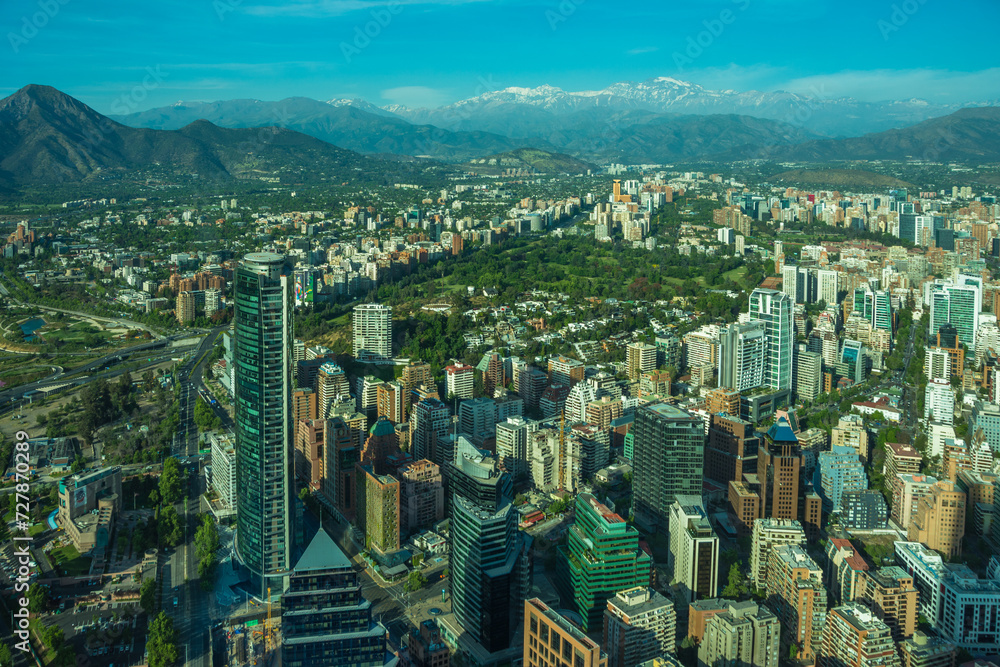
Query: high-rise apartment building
640	358
421	496
923	650
731	448
939	402
185	307
809	376
512	446
840	469
552	641
855	637
332	386
744	633
939	521
391	398
767	534
639	625
890	593
741	356
372	329
459	380
601	557
937	364
378	509
263	405
694	549
430	421
774	309
668	456
796	593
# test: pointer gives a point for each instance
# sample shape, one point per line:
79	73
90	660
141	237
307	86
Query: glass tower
774	309
263	367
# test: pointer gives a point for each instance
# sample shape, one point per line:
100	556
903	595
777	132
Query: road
189	378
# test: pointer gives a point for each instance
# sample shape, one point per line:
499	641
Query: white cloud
416	96
327	8
638	51
934	85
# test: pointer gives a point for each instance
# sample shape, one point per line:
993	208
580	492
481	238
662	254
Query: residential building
601	557
372	329
640	358
908	490
743	633
845	570
863	510
378	509
939	521
694	549
742	356
552	641
809	376
668	455
723	401
391	400
263	395
839	470
185	307
459	380
731	448
890	593
309	441
565	371
796	594
939	402
774	309
421	496
333	388
639	625
767	534
426	647
430	421
923	650
937	364
851	432
855	637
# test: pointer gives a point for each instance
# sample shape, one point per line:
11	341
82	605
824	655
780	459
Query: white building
937	364
223	478
372	328
939	402
694	549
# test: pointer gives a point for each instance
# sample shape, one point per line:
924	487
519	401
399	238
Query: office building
855	637
741	356
325	620
639	625
421	496
957	303
767	534
372	329
552	641
890	593
89	504
601	557
743	633
341	453
923	650
426	647
779	465
668	456
795	592
939	520
640	358
774	309
694	549
378	509
223	470
840	469
731	448
962	607
477	419
828	286
263	395
366	396
490	569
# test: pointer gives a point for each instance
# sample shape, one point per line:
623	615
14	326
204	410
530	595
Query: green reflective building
263	368
601	557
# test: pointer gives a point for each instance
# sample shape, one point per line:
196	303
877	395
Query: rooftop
322	554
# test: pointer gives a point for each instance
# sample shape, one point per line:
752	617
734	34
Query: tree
147	595
53	637
737	586
79	463
161	643
6	660
415	581
170	481
206	543
38	598
171	528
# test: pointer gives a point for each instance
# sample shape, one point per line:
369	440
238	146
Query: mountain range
49	137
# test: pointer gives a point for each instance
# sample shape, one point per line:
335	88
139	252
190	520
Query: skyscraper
741	356
263	395
957	303
774	309
694	549
491	573
668	455
325	619
372	328
601	557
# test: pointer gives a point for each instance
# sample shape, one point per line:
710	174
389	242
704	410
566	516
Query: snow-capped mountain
530	109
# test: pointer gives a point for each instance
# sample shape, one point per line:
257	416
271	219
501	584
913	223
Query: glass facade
774	309
263	367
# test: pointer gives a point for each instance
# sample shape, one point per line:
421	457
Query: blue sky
138	55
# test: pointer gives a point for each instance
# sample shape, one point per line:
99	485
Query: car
175	600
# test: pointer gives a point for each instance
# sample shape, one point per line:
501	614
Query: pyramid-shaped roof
322	554
782	431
